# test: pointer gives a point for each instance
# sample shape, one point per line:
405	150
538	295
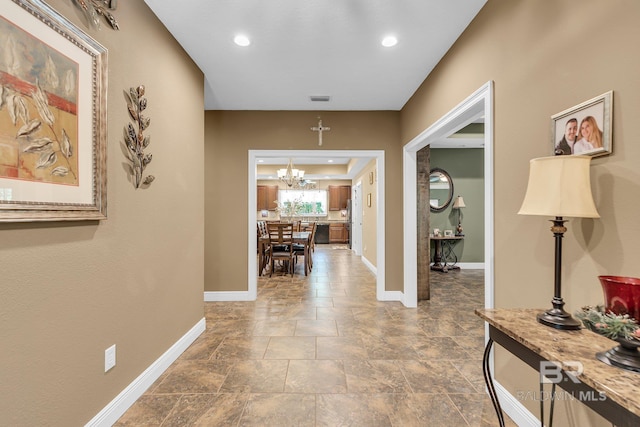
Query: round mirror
440	189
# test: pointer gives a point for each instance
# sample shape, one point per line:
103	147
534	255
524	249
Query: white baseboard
392	296
127	397
514	409
370	266
471	265
212	296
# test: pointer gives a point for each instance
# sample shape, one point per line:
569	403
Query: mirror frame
449	198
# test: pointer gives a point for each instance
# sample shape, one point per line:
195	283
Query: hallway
321	351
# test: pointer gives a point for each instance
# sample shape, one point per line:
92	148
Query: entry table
610	391
444	259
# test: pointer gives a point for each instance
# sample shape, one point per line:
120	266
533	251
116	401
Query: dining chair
313	236
281	245
299	248
263	245
303	249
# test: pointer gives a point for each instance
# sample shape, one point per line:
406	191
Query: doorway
378	155
477	105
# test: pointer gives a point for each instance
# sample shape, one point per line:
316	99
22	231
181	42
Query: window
302	202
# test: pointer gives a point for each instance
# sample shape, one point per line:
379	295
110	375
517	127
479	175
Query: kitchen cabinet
267	195
338	233
338	196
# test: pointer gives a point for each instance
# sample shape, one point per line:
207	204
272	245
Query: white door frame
356	218
479	104
378	155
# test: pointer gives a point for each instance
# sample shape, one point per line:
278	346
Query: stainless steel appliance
322	233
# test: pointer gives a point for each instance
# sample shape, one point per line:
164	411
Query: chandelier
291	176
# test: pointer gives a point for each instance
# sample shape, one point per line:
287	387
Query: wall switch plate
110	358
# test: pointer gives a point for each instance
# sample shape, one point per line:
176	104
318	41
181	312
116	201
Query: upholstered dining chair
281	245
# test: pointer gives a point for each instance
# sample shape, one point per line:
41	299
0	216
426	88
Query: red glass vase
622	295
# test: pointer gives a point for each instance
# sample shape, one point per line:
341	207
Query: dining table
299	237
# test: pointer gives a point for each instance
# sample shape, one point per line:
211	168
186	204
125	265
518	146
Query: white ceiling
303	48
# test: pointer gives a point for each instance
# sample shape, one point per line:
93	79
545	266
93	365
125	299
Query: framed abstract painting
53	83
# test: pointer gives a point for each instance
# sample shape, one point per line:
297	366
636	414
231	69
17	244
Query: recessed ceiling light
241	40
389	41
320	98
260	160
329	161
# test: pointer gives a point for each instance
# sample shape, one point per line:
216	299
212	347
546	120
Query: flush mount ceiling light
389	41
241	40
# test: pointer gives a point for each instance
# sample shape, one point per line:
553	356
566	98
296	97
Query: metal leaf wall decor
134	139
94	9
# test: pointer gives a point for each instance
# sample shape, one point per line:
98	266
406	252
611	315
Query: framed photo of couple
584	129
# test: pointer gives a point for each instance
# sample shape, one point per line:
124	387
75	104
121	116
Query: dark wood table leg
486	370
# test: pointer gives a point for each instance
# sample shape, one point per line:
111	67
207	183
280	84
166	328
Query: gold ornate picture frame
53	96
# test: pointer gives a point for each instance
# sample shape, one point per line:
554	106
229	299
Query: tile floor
321	351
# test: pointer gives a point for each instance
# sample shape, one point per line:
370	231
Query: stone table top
619	385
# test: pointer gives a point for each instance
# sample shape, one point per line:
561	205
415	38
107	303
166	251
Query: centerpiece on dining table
289	209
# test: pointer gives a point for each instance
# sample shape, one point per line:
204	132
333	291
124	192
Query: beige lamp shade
459	203
559	186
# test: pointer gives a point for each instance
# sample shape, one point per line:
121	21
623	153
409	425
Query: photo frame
590	122
53	117
448	233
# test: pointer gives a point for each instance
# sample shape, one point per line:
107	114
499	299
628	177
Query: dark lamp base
559	319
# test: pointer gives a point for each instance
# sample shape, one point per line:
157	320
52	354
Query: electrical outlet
110	358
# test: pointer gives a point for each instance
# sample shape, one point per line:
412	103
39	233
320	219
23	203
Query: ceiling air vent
320	98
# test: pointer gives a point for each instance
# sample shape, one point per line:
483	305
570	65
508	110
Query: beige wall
545	57
230	134
369	213
70	290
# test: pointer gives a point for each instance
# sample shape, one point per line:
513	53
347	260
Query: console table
444	259
610	391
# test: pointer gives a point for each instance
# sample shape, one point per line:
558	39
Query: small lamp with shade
459	204
559	187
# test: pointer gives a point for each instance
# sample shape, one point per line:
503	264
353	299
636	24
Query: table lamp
459	204
560	187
